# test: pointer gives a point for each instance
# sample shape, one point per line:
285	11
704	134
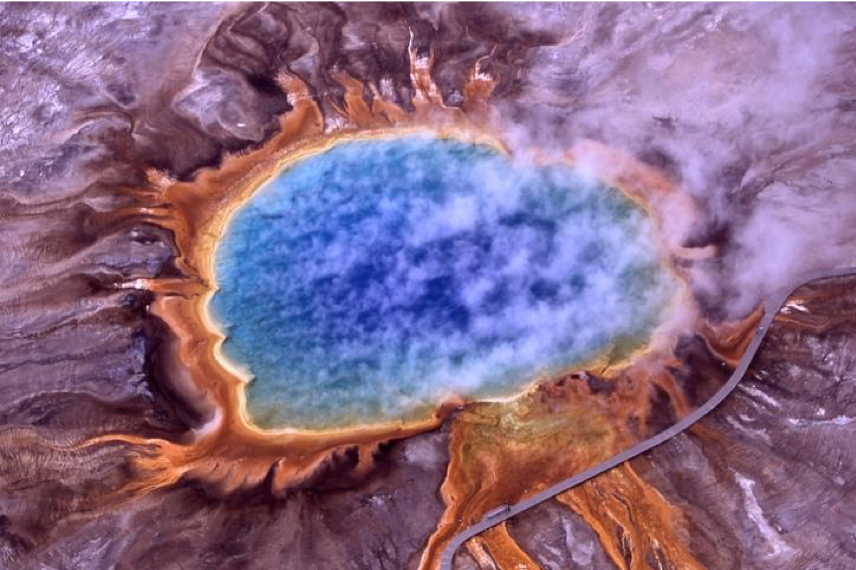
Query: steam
749	107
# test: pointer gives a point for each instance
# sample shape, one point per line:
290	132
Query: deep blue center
368	282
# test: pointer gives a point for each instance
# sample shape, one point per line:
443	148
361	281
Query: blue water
366	283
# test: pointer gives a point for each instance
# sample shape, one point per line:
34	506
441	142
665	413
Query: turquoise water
366	283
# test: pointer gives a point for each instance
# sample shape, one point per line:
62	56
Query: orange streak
632	520
505	553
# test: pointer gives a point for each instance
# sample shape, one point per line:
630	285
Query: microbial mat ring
367	283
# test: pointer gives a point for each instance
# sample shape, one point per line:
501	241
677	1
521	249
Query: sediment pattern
762	482
128	133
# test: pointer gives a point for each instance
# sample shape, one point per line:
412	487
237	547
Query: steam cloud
749	107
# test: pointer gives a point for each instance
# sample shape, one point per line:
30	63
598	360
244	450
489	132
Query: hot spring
367	283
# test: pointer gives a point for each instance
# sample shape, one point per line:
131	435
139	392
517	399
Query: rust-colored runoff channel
505	512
